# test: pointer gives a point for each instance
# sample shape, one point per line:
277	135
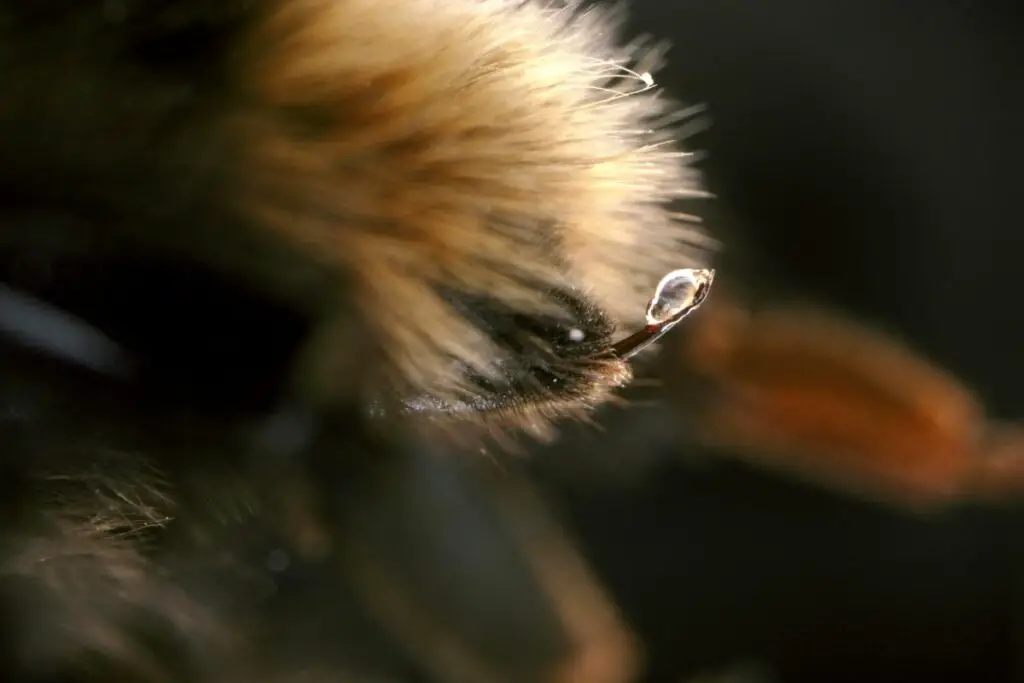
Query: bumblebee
260	261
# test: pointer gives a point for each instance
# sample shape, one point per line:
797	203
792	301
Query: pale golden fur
493	147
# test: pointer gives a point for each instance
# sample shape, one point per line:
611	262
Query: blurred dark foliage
866	153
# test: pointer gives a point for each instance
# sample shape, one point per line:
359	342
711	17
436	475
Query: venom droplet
678	293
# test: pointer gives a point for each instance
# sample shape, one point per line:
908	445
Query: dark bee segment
548	359
459	562
553	359
183	331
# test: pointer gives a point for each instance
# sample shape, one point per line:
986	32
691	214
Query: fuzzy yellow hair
488	148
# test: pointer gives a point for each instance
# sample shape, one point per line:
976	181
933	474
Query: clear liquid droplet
677	294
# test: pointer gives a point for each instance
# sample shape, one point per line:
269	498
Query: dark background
870	151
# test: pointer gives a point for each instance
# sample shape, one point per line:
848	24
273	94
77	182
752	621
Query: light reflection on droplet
677	294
